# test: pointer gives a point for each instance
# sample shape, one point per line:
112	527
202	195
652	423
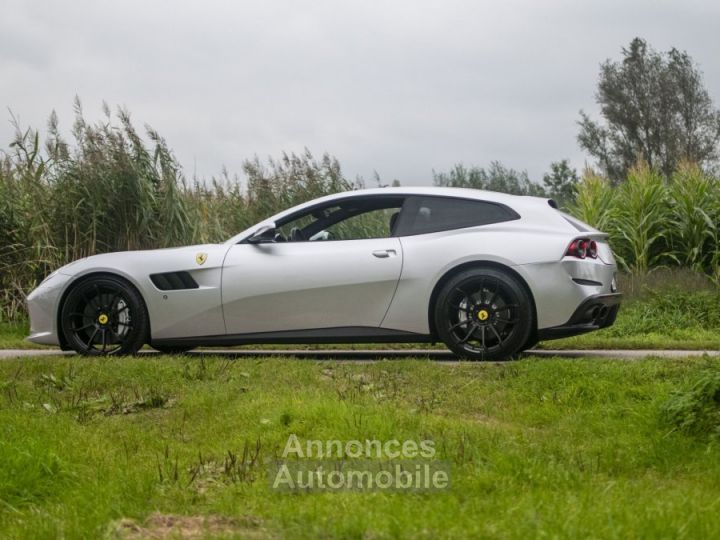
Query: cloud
401	87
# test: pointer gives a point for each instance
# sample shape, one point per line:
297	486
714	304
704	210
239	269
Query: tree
561	182
655	108
496	178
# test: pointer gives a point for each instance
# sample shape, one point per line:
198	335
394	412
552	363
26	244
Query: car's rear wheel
104	315
483	314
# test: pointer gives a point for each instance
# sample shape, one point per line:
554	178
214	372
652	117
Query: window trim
412	204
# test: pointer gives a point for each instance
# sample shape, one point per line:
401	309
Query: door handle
384	253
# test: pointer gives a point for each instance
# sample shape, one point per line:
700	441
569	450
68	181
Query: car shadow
325	355
367	355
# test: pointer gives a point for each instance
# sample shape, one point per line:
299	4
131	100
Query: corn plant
693	220
641	215
594	200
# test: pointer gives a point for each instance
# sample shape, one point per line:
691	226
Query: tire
104	315
484	314
171	350
530	343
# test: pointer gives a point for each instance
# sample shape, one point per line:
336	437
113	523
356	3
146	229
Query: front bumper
43	307
596	312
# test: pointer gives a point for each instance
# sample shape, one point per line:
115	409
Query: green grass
670	319
557	448
693	341
13	334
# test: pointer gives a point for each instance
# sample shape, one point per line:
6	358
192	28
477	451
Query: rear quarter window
434	214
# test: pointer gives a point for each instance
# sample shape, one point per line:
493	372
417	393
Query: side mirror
263	235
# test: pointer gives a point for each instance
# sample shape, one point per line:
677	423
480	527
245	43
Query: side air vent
587	282
173	281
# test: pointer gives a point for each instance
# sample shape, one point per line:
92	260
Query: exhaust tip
592	313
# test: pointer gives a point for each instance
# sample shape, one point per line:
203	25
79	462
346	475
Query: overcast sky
397	87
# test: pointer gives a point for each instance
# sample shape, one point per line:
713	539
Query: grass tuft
696	410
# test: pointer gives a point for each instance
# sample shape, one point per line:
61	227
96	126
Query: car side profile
488	274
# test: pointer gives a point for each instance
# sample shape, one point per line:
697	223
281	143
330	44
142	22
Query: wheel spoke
83	327
458	289
83	293
482	333
104	340
454	326
114	299
78	314
92	337
89	300
494	331
118	311
506	321
470	333
495	292
481	290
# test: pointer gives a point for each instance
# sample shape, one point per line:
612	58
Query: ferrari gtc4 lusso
487	274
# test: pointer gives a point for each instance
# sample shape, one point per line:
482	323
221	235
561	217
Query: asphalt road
367	355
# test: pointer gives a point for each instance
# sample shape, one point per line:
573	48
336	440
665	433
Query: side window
433	214
351	219
292	231
371	224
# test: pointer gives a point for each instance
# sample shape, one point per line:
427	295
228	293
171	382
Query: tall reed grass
113	189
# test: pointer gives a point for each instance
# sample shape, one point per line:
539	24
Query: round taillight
582	249
592	249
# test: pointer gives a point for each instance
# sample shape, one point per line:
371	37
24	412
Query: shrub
696	411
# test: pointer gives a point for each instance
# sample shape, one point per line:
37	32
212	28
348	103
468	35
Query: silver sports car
486	273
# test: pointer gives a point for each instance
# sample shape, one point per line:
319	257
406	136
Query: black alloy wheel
484	314
104	315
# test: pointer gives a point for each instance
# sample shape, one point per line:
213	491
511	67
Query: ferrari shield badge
200	258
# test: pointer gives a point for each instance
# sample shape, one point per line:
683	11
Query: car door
305	285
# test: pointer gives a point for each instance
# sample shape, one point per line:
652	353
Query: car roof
466	193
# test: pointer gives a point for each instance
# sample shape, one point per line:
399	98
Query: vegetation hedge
113	189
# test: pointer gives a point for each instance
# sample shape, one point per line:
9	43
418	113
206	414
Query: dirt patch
169	526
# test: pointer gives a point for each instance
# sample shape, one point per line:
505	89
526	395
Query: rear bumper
596	312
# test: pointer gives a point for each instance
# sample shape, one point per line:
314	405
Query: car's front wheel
483	314
104	315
